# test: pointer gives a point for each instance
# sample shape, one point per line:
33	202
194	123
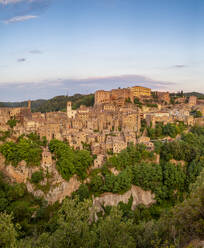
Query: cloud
50	88
6	2
21	60
22	10
20	19
179	66
35	51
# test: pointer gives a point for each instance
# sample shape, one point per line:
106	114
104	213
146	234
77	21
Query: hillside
120	194
57	103
199	95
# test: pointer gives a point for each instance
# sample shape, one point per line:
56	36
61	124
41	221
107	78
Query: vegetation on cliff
175	220
161	130
71	226
28	213
70	161
27	148
136	166
12	122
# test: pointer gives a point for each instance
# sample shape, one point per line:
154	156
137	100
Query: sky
63	47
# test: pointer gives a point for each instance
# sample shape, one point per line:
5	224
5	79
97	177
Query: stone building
70	113
110	125
192	101
120	96
153	118
180	100
138	91
163	96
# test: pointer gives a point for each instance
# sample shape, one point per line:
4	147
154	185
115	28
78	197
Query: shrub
69	161
23	149
37	177
12	122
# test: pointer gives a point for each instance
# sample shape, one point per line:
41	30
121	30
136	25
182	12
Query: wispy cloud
22	10
20	19
21	60
6	2
50	88
179	66
35	51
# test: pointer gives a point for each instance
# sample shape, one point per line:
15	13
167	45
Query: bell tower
29	104
70	113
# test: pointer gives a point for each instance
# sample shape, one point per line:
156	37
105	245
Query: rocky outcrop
2	162
139	197
63	189
18	174
177	162
195	244
59	188
58	191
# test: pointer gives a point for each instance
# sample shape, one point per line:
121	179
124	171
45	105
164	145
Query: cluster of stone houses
105	127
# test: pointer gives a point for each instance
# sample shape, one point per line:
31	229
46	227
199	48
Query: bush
37	177
129	157
69	161
12	122
169	129
23	149
82	192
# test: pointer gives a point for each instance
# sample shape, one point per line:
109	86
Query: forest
57	103
173	221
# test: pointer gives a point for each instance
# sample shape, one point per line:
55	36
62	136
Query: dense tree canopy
69	161
161	131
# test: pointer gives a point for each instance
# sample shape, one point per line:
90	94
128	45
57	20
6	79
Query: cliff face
58	191
139	197
55	188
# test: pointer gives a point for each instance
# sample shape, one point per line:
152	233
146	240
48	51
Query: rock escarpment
60	188
139	197
56	187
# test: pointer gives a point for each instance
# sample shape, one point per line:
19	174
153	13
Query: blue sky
52	47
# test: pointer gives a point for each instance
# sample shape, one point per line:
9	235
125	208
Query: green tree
37	177
8	232
114	232
73	228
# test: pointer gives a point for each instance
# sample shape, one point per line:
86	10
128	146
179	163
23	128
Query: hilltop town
134	150
111	124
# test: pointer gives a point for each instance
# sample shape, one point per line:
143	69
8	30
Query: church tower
29	104
70	113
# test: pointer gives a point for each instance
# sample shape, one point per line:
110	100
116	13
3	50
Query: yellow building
138	91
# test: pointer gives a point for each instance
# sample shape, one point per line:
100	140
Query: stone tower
70	113
29	104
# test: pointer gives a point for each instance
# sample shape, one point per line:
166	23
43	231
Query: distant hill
35	104
57	103
199	95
